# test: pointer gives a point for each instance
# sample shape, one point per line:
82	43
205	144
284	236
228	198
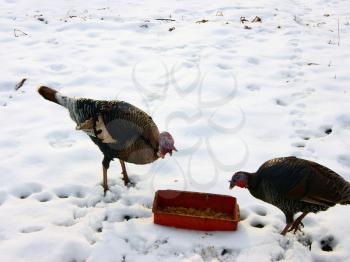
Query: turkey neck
253	183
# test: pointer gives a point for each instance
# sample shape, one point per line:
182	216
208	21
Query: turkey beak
231	184
171	151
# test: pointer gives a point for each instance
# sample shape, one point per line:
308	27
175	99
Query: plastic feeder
165	199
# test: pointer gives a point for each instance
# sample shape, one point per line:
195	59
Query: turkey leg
285	230
297	223
105	184
125	174
105	166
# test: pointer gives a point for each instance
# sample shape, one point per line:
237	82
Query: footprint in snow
305	240
57	67
25	190
120	214
328	243
299	144
31	229
260	210
253	87
296	112
322	131
64	221
60	139
71	191
253	61
43	196
257	222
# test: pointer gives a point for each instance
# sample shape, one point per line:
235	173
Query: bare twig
202	21
20	84
165	19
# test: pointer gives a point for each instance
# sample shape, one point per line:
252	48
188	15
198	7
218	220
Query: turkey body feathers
134	137
304	180
294	185
135	132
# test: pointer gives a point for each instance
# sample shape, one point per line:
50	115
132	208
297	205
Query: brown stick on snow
20	84
165	19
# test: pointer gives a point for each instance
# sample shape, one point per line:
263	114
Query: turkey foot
127	181
297	224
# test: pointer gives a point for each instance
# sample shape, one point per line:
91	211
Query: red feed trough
194	210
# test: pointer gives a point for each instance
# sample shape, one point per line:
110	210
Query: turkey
295	185
119	129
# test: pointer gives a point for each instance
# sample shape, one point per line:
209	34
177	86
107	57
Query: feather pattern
136	134
298	185
128	133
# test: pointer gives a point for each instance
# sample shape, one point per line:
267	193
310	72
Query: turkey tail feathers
48	93
54	96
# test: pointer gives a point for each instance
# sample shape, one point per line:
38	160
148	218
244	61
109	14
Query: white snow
232	98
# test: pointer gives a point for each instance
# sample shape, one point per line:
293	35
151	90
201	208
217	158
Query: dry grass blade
20	84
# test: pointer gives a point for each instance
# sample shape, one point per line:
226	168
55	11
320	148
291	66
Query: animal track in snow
260	210
305	240
257	222
25	190
57	67
79	213
296	112
70	191
326	129
253	60
252	87
64	222
60	139
299	144
31	229
322	131
120	214
328	243
43	196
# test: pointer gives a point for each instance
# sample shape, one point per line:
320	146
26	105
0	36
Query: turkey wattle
119	129
295	185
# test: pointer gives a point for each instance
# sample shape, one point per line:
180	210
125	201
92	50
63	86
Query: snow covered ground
232	94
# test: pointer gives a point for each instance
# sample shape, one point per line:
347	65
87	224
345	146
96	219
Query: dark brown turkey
119	129
295	185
